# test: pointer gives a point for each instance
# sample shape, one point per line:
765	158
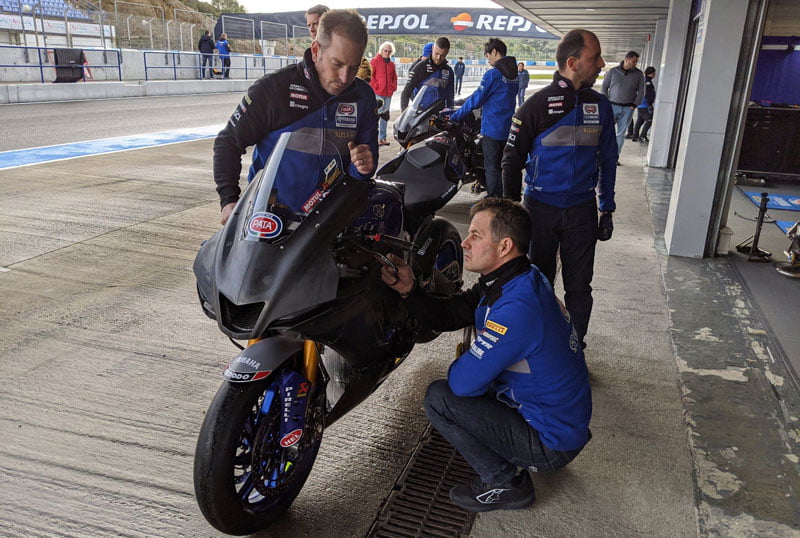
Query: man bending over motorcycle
320	94
520	396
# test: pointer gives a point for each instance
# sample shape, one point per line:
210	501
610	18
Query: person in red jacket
384	83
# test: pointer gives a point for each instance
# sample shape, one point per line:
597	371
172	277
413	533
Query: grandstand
49	8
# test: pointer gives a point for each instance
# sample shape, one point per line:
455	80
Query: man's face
630	63
336	64
386	51
312	21
492	57
481	252
589	63
438	56
520	67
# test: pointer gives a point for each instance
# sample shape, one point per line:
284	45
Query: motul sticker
291	438
264	225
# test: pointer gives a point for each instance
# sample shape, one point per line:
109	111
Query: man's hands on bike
398	277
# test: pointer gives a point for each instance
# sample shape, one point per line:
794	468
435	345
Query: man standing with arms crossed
317	94
564	138
624	87
497	95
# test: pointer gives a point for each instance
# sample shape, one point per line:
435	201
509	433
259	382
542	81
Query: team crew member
520	396
496	94
319	94
564	138
434	72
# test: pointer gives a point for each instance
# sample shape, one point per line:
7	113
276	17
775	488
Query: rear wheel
243	478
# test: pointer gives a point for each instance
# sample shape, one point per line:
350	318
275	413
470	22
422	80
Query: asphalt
110	366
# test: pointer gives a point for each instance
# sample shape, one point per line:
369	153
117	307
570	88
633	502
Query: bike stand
750	245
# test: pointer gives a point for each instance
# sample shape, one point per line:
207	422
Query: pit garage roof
621	25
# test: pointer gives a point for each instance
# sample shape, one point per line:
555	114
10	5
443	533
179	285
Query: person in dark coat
206	47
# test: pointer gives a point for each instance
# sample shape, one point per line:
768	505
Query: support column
669	78
708	103
658	45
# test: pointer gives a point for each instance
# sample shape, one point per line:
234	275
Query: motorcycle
436	152
296	272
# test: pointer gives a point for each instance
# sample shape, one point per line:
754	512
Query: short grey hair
389	44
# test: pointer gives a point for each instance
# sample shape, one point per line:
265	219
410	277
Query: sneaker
635	139
644	139
628	136
479	497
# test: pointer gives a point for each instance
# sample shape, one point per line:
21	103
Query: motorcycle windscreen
414	121
272	260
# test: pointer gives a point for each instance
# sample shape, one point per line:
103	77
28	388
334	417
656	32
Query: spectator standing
313	15
224	49
520	396
564	138
624	87
644	117
384	83
524	77
497	94
431	71
459	69
320	92
206	47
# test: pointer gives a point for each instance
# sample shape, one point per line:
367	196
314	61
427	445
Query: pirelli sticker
496	327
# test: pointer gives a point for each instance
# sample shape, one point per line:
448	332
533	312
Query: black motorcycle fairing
245	283
415	123
259	360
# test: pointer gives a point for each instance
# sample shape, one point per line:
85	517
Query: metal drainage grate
419	505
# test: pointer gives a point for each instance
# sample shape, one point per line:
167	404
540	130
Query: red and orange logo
462	21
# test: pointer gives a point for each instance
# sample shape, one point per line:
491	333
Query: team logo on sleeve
496	327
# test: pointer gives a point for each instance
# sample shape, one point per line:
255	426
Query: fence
176	65
98	63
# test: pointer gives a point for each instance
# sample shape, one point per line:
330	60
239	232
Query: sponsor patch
555	98
591	113
264	225
489	336
496	327
298	87
301	96
291	438
562	84
484	343
475	350
301	106
347	115
516	120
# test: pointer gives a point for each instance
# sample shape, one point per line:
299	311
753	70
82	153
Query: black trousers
570	233
644	119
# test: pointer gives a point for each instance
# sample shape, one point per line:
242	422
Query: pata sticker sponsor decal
291	438
264	225
591	113
496	327
347	115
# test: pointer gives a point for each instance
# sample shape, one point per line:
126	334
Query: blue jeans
492	157
387	100
622	117
493	438
521	95
570	233
459	80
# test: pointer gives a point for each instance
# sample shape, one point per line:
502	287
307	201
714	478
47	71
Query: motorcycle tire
236	439
447	272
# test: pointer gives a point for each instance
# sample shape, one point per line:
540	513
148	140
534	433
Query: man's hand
605	228
225	212
401	281
361	157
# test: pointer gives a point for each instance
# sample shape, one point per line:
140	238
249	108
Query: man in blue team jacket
497	95
563	137
520	396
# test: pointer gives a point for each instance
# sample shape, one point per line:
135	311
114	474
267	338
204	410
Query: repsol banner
440	21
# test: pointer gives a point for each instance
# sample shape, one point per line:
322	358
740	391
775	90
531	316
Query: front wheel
243	478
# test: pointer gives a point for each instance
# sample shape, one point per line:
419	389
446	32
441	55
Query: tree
228	6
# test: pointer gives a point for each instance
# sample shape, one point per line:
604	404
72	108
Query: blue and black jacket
497	94
565	140
526	350
427	73
290	100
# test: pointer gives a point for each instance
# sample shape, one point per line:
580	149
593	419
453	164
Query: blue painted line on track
30	156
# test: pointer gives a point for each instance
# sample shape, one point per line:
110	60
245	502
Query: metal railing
40	57
246	66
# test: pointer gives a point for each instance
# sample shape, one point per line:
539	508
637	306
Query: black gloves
605	228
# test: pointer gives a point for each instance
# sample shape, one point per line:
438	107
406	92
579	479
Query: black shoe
479	497
635	139
644	139
628	136
619	163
